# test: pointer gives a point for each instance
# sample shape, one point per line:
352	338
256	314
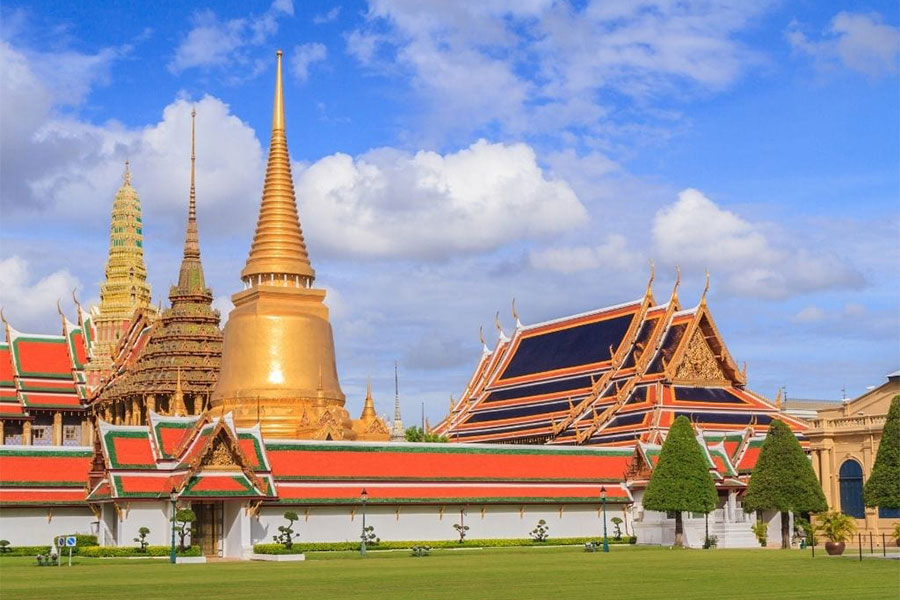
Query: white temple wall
153	515
429	522
38	526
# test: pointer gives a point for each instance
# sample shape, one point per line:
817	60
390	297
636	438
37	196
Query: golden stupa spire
278	254
368	411
126	177
178	409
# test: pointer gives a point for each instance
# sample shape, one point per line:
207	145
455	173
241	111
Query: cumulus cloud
212	42
540	67
810	314
27	298
860	42
696	233
304	56
328	17
389	203
612	254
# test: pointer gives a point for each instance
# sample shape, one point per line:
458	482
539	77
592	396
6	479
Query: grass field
520	573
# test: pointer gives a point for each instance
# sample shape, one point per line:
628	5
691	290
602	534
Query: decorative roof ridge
14	448
589	313
388	446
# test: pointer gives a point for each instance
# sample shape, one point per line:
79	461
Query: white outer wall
38	526
413	523
154	515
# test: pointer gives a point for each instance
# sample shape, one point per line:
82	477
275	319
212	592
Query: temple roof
46	476
615	375
44	372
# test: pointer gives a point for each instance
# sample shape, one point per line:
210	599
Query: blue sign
70	541
60	542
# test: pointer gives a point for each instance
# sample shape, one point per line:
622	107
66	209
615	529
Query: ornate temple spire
125	288
397	431
191	280
177	407
278	254
368	411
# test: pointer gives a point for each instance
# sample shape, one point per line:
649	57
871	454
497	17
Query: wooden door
207	530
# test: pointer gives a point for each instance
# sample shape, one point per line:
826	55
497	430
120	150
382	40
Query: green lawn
521	573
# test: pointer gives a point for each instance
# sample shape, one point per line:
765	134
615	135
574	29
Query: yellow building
844	442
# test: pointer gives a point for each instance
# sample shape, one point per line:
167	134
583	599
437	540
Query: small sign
61	542
70	541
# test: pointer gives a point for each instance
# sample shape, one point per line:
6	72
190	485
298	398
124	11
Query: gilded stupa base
291	418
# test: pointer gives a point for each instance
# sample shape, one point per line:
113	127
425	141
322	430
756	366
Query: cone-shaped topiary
681	479
783	479
883	487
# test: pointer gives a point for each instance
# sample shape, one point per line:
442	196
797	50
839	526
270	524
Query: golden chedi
278	365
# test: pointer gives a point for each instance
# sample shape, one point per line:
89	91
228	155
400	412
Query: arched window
851	479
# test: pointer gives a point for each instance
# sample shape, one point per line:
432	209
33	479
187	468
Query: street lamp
363	496
603	500
173	497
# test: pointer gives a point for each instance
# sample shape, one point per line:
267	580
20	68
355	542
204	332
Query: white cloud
388	203
27	299
860	42
696	233
612	255
541	67
328	17
215	43
304	56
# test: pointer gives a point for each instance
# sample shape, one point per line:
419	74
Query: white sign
61	542
70	541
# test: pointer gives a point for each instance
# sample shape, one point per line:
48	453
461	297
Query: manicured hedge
81	541
302	547
113	551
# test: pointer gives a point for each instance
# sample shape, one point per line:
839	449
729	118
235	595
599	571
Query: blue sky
452	156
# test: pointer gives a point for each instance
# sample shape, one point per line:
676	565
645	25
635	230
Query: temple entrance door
207	529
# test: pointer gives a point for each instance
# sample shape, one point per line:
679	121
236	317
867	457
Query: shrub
541	532
711	541
617	532
4	546
120	551
897	532
287	535
461	531
184	517
142	538
761	531
369	536
836	526
419	551
881	487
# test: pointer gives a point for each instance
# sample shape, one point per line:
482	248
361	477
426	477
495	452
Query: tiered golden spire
278	255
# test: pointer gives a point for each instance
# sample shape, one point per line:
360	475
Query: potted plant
837	529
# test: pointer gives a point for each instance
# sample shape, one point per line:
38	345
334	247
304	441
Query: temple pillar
26	433
57	429
136	411
731	506
151	405
198	404
86	433
2	434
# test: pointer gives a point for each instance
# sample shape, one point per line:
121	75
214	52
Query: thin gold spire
278	255
191	239
126	177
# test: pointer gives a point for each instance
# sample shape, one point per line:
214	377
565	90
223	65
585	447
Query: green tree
883	487
183	518
142	538
783	480
415	434
681	480
286	533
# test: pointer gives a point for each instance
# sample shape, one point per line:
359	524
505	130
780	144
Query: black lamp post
363	496
603	500
173	497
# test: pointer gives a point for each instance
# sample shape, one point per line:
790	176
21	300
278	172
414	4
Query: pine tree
783	479
681	480
883	487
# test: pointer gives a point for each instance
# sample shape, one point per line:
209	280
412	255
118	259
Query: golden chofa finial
677	283
278	254
498	326
652	277
705	290
515	315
